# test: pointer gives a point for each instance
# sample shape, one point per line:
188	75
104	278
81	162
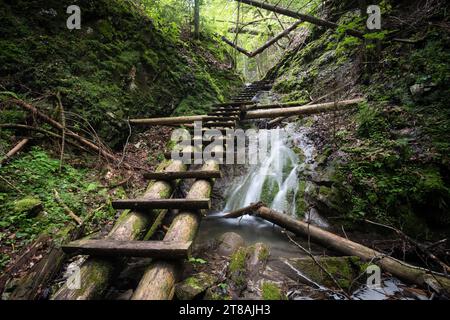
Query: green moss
271	291
29	206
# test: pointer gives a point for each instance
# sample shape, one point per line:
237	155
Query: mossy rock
29	206
271	291
194	286
228	243
218	292
344	269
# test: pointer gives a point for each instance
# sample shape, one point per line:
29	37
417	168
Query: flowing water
273	180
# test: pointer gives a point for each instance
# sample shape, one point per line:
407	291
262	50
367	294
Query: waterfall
273	180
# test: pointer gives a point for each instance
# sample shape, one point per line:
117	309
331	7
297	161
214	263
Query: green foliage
270	291
120	65
36	175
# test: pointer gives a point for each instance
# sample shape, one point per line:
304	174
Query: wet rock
344	269
257	256
228	243
126	295
218	292
29	206
194	286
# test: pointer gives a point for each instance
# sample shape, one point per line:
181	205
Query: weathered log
158	282
15	150
297	15
402	270
96	273
305	110
146	249
183	175
181	204
330	94
233	104
60	127
168	120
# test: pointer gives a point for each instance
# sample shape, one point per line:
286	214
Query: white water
274	178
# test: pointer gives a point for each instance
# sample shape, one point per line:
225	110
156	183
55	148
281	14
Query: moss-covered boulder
195	285
29	206
271	291
345	270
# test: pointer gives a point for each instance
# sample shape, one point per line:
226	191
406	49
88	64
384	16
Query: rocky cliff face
388	159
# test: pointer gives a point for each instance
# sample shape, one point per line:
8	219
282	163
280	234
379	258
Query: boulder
228	243
29	206
194	286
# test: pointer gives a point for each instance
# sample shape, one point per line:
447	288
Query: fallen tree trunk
297	15
158	282
278	120
235	46
96	272
61	128
420	276
304	110
15	150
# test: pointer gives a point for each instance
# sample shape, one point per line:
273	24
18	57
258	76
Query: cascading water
274	180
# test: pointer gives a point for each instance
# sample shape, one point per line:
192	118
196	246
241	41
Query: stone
194	285
257	256
228	243
29	206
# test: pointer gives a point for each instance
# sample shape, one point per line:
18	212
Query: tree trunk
297	15
197	19
305	110
327	239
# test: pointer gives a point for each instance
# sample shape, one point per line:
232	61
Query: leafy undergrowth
31	179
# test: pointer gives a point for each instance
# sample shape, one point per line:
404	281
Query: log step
182	204
183	175
147	249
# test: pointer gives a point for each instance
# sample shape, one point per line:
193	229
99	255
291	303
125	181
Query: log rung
147	249
183	175
182	204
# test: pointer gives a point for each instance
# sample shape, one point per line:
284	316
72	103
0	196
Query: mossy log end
96	273
158	282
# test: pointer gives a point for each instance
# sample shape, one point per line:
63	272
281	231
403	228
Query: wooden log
147	249
402	270
96	273
15	150
297	15
158	281
331	94
183	175
168	120
233	104
143	205
305	110
220	124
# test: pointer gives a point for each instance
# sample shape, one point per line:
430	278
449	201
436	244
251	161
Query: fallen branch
420	247
336	283
15	150
67	209
40	130
60	127
63	122
420	276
